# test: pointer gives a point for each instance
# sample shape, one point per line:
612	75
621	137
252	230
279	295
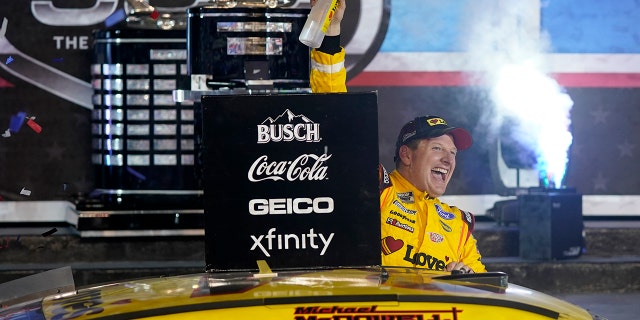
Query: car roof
303	293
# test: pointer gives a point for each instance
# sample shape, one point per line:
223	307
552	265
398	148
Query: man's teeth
440	170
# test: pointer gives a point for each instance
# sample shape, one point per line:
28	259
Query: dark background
55	164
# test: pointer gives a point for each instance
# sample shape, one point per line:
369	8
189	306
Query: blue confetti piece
9	60
115	17
17	121
136	174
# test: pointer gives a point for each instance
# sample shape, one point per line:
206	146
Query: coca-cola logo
306	167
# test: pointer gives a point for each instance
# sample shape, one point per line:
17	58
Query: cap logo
408	135
436	121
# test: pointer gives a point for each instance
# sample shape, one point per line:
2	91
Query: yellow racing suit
417	230
328	73
420	231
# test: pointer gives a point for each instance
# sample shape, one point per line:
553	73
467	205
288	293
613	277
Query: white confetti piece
25	192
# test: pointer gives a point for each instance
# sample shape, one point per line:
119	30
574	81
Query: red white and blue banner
590	44
422	56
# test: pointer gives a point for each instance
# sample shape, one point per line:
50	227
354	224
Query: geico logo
259	207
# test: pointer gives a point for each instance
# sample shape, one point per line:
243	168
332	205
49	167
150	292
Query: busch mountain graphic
288	127
290	118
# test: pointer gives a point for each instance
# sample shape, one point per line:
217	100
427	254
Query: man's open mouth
440	171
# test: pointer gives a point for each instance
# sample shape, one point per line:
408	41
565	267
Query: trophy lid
142	15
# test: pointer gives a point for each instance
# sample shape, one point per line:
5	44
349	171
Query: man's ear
404	154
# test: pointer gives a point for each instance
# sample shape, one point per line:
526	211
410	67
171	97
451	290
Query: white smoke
507	49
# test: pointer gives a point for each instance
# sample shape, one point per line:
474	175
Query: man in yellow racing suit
417	229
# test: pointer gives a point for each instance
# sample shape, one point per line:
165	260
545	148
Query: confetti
114	18
25	192
155	14
33	125
17	121
58	60
136	174
6	134
50	232
9	60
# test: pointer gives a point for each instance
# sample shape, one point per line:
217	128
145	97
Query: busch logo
295	127
305	167
309	132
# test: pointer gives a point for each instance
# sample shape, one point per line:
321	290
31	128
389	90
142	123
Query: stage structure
149	73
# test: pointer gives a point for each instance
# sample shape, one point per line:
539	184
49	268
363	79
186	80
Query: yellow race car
372	293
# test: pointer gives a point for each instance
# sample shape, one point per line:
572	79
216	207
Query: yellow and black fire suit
328	73
421	231
417	230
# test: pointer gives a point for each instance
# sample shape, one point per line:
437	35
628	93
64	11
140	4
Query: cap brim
461	138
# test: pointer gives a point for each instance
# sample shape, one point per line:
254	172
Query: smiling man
417	229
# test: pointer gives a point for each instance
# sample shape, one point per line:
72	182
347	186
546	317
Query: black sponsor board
291	179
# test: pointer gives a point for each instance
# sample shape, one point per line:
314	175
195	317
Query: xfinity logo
305	167
290	241
288	127
260	207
